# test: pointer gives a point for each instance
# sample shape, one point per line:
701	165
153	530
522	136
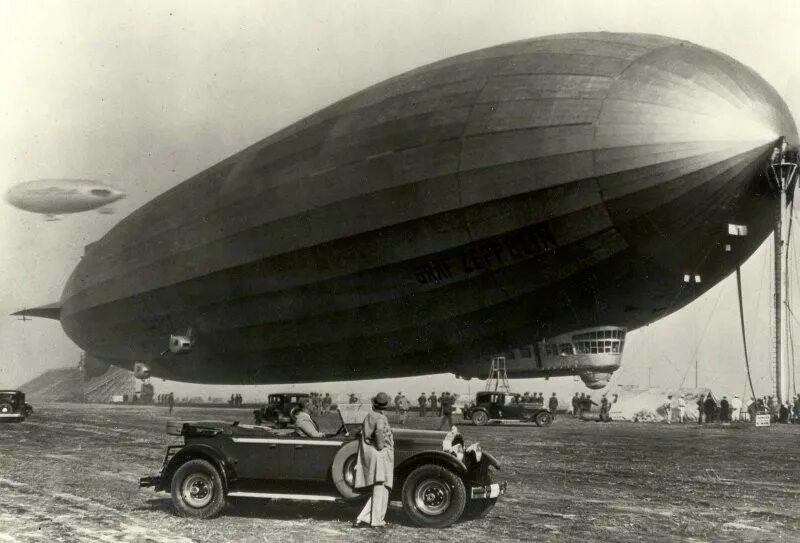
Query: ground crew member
375	467
724	410
171	402
681	409
575	405
709	406
423	402
700	409
668	410
447	411
304	425
736	408
404	406
432	400
553	405
397	404
605	407
581	404
441	402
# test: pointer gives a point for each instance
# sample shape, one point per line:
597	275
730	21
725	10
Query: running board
279	496
395	504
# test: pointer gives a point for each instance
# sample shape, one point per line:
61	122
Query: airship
539	198
54	197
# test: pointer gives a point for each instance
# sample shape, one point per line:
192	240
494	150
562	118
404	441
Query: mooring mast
781	170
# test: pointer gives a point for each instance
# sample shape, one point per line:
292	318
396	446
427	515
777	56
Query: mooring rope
741	320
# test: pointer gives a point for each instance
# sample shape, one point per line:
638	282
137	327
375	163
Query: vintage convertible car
13	407
221	460
497	406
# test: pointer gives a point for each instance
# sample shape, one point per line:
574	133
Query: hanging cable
702	336
741	320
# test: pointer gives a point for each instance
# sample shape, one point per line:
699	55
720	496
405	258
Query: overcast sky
141	95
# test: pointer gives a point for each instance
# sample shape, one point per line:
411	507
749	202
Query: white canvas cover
647	404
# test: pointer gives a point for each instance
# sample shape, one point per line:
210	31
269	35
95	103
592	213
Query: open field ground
70	474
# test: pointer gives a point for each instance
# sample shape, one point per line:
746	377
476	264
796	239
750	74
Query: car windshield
8	397
353	414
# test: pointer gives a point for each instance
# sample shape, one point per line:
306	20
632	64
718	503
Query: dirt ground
70	474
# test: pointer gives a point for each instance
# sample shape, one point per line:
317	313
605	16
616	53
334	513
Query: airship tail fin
49	311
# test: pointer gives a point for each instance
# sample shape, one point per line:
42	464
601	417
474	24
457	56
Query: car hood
417	439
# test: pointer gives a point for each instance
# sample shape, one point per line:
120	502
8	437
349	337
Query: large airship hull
486	201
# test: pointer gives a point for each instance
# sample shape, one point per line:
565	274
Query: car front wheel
434	496
197	490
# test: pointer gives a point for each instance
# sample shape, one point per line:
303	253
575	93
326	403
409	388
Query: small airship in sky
53	197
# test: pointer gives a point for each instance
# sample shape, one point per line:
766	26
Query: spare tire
343	472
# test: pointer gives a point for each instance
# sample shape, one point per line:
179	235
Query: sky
142	95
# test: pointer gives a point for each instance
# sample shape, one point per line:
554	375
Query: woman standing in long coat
375	466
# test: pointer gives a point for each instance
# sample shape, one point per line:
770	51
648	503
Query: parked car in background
280	409
13	407
500	406
219	460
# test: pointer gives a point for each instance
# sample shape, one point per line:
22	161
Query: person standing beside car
375	466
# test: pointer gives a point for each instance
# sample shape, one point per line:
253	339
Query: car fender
205	452
430	457
491	460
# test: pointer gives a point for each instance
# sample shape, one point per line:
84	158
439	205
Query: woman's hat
381	401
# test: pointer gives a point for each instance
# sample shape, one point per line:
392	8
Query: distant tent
647	404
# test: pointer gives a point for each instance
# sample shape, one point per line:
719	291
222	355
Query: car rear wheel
433	496
479	418
544	419
197	490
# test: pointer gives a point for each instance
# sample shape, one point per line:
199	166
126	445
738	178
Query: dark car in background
280	409
500	406
219	460
13	407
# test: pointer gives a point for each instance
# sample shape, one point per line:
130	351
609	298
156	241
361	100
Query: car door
512	409
311	457
262	457
496	407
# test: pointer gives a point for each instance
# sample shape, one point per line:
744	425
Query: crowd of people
236	400
167	400
582	405
726	410
786	413
320	403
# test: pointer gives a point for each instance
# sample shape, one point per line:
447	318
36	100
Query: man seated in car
304	425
